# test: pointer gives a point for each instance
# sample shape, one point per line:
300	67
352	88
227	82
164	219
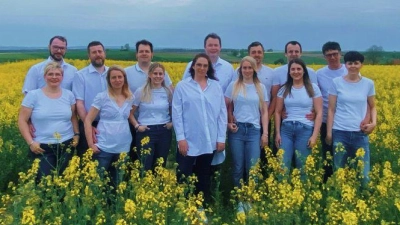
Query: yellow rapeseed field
80	196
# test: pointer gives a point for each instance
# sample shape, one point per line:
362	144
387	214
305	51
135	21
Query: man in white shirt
325	75
137	76
88	82
57	48
293	50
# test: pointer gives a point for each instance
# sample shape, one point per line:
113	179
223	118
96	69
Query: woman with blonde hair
113	107
51	110
247	100
153	102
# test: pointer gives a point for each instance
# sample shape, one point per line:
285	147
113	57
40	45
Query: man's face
57	49
97	55
257	53
332	57
293	52
212	48
144	54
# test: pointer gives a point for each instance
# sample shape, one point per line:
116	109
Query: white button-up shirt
35	77
137	77
88	83
199	116
224	72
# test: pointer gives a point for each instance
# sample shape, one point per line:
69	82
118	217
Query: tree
127	47
374	54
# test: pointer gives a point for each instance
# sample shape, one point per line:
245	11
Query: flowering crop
81	196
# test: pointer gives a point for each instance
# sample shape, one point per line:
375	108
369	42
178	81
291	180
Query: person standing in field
296	134
325	75
293	50
137	77
200	121
249	99
51	110
88	82
112	108
224	74
349	99
34	78
265	75
153	102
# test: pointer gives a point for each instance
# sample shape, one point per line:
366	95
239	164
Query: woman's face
157	76
117	79
53	77
201	67
247	70
296	72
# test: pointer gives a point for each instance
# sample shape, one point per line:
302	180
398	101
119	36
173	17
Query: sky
355	24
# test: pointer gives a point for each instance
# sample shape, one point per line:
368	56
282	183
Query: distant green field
175	56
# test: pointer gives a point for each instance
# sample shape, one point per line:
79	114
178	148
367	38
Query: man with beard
35	77
88	82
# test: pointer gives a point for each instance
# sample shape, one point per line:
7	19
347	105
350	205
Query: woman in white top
296	134
349	99
249	100
153	101
200	119
51	110
114	106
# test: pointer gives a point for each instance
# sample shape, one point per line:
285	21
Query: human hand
168	125
183	147
220	147
35	148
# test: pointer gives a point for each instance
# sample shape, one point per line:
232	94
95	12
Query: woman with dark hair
51	110
114	108
296	134
153	101
349	99
200	119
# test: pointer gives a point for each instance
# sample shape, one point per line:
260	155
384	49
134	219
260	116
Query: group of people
111	110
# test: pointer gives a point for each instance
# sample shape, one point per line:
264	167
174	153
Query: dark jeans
82	146
263	159
55	158
133	154
159	145
201	167
325	149
106	160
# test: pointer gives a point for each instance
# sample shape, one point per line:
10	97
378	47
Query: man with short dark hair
57	48
224	71
325	75
137	74
88	82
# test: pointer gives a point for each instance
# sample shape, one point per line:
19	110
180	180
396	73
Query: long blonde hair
146	92
126	92
239	85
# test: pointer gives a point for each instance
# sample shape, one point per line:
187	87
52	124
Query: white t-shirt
351	103
156	111
247	108
50	115
298	104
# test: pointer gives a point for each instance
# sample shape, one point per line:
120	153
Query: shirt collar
137	67
49	60
218	62
92	69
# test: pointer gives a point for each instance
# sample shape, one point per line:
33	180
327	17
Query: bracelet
77	134
137	126
31	143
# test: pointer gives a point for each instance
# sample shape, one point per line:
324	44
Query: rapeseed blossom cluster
272	195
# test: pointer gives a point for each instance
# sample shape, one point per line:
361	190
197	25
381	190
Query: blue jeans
294	137
351	141
325	149
55	158
106	160
245	148
160	143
